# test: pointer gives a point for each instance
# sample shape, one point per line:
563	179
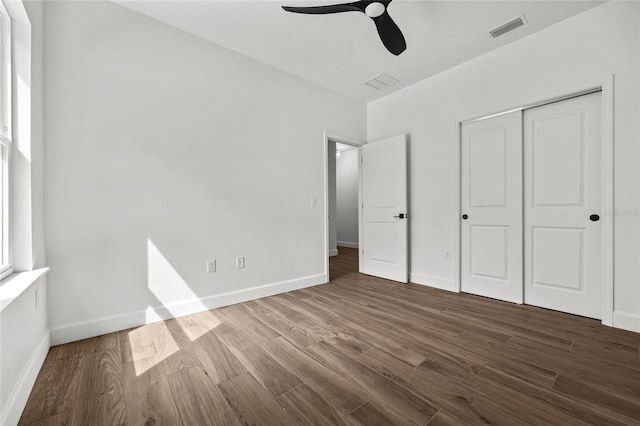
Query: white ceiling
341	147
342	51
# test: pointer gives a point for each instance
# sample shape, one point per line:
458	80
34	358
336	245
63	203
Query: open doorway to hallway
342	195
346	197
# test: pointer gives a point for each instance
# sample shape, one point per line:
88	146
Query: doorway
346	197
532	200
338	215
343	184
382	206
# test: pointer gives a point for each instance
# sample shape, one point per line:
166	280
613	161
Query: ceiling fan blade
390	34
322	10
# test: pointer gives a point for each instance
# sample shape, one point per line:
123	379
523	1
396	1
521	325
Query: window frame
6	143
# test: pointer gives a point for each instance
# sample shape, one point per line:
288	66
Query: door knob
401	216
594	218
465	216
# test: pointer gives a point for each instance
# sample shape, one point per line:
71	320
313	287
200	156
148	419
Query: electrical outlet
314	202
240	262
447	255
211	265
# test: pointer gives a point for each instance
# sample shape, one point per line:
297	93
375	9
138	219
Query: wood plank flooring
357	351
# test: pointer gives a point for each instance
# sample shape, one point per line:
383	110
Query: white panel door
491	204
563	196
384	241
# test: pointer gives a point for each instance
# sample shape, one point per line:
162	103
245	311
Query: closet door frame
606	86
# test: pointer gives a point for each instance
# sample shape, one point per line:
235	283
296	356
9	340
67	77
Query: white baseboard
83	330
333	252
626	321
435	282
20	393
348	244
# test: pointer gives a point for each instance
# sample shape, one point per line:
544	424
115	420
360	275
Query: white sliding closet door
562	204
491	204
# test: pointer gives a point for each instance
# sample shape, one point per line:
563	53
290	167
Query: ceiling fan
388	31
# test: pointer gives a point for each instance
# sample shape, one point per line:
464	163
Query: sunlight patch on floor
150	345
197	325
168	286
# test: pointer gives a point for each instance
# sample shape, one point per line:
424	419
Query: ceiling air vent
508	26
381	81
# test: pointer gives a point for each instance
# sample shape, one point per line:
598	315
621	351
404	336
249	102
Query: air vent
508	26
381	81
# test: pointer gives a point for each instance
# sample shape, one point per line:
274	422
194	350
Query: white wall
164	150
589	46
347	198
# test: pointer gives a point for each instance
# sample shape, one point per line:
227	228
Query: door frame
606	86
327	136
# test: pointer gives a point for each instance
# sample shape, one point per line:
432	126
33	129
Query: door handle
594	218
401	216
465	216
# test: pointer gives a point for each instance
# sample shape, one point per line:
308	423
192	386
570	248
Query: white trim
626	321
607	201
455	256
13	286
7	82
348	244
6	74
333	252
605	84
20	393
360	207
5	271
343	139
325	156
433	282
541	99
82	330
348	141
21	136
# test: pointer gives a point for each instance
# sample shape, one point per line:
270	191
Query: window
5	142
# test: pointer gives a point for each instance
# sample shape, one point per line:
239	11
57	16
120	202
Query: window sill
17	283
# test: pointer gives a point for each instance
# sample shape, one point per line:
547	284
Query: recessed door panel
557	149
383	243
488	168
558	258
491	203
489	246
381	176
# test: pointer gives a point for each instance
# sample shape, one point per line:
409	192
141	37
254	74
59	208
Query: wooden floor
358	351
